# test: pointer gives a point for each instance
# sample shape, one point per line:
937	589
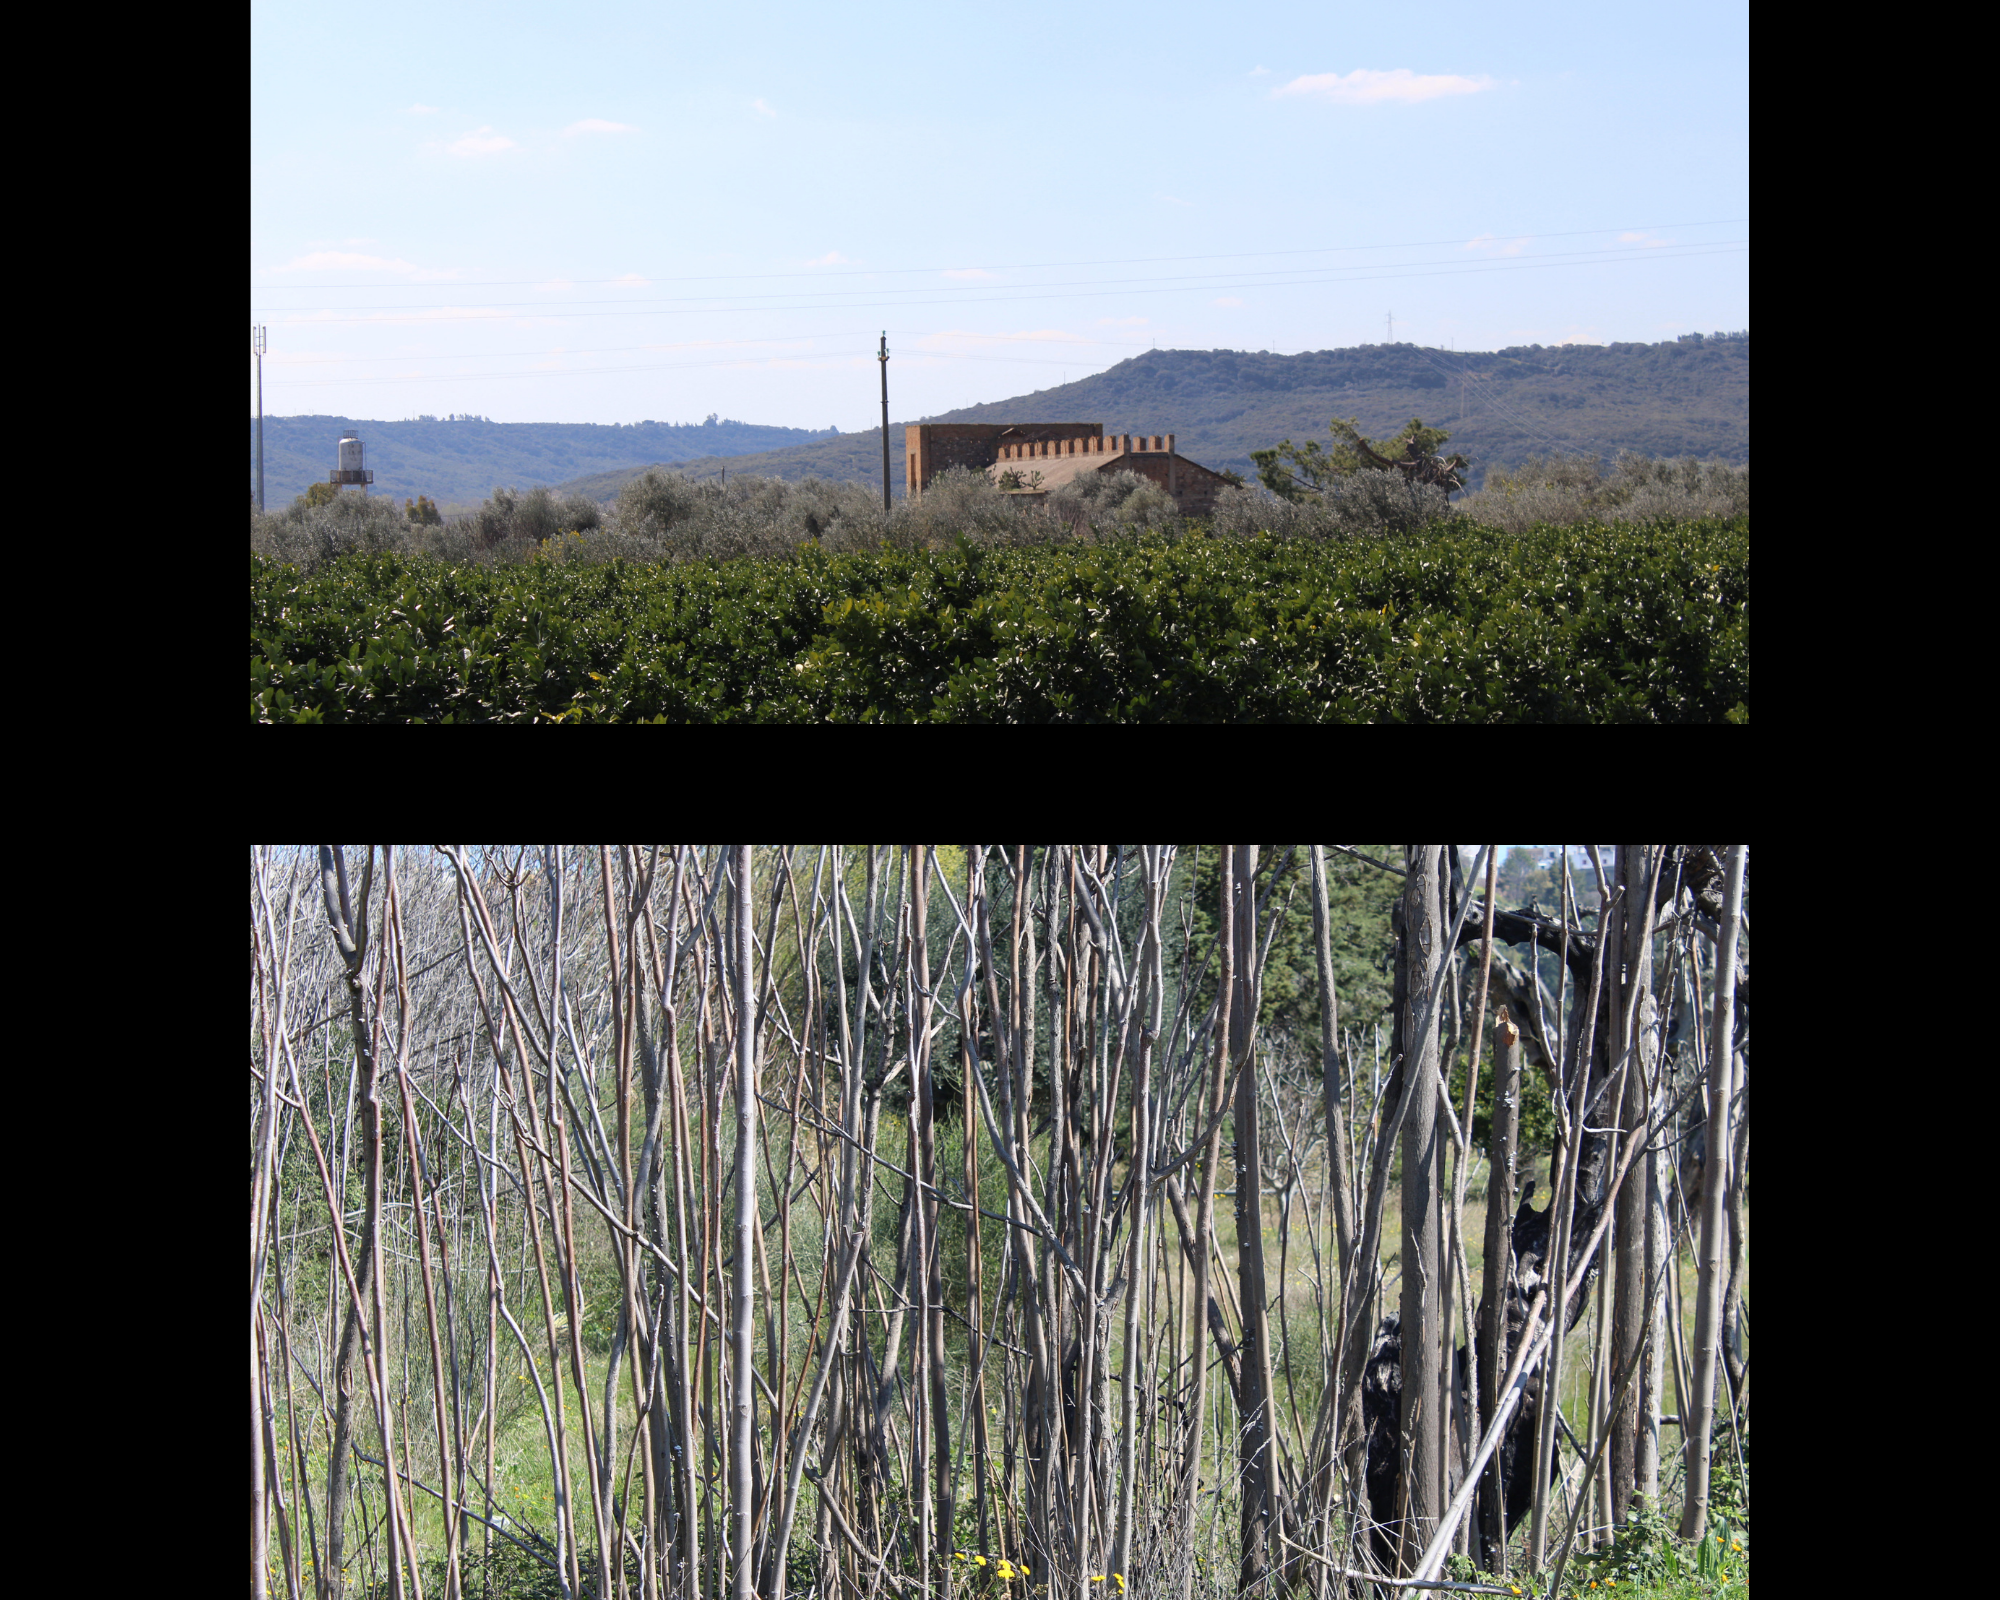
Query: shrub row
1460	623
663	516
1576	488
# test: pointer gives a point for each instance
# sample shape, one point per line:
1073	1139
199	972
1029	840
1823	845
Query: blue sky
611	212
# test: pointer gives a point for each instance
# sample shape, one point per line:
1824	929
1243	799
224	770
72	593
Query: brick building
1059	452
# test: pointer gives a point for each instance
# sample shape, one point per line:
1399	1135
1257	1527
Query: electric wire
387	321
697	344
1100	286
1518	425
1044	266
676	366
1191	279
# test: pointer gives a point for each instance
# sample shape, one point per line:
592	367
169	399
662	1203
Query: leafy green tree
423	511
317	494
1524	875
1359	900
1294	470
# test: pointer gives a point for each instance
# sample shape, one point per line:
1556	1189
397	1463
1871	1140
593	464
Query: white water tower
353	468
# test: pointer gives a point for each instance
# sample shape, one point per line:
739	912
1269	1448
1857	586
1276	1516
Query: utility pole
883	357
1392	327
257	349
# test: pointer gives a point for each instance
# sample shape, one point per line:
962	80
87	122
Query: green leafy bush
1594	623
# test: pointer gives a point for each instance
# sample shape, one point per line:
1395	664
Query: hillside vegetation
1688	397
462	460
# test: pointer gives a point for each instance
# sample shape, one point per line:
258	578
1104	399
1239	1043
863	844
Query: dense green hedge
1580	624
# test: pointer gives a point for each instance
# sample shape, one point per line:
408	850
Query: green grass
524	1481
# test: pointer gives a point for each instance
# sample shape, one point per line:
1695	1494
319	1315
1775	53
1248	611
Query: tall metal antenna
883	357
257	343
1392	327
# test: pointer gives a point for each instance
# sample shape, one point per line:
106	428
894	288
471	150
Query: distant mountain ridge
463	461
1689	396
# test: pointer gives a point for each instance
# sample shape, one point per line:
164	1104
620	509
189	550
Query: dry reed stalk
500	1182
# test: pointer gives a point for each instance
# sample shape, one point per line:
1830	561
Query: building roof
1059	471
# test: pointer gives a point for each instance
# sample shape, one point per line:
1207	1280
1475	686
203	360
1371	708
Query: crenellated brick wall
1059	451
934	447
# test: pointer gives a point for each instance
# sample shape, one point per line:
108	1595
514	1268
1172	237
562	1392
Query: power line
1519	426
1191	279
1525	429
697	344
1038	266
568	372
1018	299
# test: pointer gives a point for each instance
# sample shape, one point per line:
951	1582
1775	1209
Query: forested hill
1687	397
463	460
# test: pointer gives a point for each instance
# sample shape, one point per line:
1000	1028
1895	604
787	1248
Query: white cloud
1259	72
480	142
349	261
597	125
833	258
762	109
969	272
1121	322
420	111
630	280
1497	247
1363	86
356	244
1650	241
555	284
1226	300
